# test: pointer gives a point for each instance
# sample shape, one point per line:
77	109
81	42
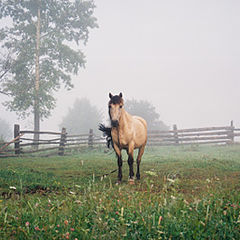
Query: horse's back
140	131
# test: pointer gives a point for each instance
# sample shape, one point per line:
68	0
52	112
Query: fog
182	56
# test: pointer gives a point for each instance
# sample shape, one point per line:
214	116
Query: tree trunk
37	78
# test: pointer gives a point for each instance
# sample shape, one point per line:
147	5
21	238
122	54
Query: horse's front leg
130	161
119	156
119	168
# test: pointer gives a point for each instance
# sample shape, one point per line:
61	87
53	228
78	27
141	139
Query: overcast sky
181	55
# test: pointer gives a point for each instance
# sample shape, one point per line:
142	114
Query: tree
41	38
82	117
146	110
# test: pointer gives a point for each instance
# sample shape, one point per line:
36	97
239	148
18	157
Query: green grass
184	193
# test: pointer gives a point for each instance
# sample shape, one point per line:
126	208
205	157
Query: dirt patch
28	190
37	189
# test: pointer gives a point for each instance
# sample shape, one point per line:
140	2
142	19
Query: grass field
184	193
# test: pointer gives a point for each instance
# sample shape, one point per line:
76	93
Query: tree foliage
64	25
82	117
146	110
5	67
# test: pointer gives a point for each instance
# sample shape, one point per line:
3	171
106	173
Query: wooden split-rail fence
60	143
197	136
52	143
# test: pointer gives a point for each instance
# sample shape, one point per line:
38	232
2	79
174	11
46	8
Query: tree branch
5	93
6	66
4	73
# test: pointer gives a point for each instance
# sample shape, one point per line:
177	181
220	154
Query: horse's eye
121	106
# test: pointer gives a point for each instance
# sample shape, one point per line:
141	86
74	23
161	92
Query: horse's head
115	108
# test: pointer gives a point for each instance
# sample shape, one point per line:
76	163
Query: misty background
182	56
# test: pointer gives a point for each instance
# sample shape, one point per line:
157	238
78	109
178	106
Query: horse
127	132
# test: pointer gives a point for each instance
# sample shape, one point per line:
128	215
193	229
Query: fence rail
207	135
60	142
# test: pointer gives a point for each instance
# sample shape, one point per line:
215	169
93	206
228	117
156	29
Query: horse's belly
140	134
138	144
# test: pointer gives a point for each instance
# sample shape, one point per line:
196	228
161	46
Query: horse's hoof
118	182
131	181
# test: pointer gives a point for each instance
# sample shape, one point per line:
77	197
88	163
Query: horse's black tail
106	132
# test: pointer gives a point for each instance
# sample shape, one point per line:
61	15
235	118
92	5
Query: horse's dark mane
117	99
107	132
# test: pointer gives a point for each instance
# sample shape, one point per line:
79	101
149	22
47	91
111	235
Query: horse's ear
120	95
110	95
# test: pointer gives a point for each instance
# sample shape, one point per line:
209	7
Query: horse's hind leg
139	157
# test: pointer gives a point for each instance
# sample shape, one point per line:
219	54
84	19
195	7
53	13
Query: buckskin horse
127	132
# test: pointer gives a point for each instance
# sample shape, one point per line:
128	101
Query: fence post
90	138
17	142
231	133
175	133
62	142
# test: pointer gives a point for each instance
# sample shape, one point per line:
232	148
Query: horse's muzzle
114	123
